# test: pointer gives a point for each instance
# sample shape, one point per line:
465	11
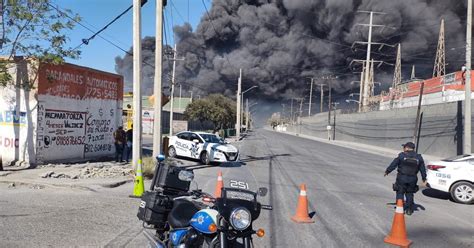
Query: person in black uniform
129	138
408	163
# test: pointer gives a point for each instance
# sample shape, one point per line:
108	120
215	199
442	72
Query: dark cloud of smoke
124	67
280	43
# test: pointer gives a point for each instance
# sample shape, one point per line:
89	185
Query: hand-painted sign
79	83
14	118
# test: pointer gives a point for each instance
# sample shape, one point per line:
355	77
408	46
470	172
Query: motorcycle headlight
240	219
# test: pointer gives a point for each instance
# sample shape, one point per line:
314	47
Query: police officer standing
408	163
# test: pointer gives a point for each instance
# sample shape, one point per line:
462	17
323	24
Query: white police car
454	175
206	147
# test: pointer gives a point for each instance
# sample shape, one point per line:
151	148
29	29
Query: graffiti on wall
99	131
78	110
78	83
40	129
65	128
8	142
12	118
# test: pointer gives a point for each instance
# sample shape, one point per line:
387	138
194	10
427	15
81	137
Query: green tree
218	109
34	29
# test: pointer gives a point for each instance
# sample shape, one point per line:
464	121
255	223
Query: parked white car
454	175
206	147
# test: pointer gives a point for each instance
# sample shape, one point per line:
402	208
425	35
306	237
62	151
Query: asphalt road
349	195
350	199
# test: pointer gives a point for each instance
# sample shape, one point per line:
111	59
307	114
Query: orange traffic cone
398	235
219	185
302	215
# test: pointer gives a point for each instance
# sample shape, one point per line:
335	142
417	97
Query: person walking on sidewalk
119	140
129	138
409	163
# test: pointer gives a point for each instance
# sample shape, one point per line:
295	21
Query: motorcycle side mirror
160	158
186	176
262	191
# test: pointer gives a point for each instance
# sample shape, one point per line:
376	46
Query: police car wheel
171	152
205	158
462	192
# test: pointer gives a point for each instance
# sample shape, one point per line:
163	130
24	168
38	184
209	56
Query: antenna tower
440	62
397	75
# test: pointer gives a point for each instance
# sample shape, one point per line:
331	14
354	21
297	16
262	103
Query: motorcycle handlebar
199	194
267	207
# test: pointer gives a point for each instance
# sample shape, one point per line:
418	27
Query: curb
69	186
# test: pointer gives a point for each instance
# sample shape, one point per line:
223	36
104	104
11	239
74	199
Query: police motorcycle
192	218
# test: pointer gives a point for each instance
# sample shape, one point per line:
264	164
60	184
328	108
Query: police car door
182	144
471	168
196	146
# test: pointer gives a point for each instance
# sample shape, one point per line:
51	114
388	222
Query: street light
251	88
242	102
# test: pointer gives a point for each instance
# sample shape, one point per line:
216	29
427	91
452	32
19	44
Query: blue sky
95	14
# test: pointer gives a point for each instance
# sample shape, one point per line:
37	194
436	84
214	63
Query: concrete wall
70	114
18	116
391	128
78	111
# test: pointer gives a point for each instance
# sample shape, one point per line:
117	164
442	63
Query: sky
95	14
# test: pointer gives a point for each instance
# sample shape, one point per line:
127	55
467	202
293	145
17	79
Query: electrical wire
82	25
87	40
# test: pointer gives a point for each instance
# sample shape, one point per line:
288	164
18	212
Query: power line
82	25
177	11
87	40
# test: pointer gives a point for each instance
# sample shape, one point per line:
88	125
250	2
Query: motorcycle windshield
240	183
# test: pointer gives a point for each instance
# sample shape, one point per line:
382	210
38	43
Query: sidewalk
35	177
386	152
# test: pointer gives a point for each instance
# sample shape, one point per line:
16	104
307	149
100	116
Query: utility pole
467	101
291	112
242	109
191	95
310	96
334	121
418	110
300	121
179	103
137	82
365	92
282	111
247	113
239	89
365	100
329	103
322	98
362	86
175	55
157	86
301	110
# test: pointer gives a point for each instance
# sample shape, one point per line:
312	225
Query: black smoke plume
279	44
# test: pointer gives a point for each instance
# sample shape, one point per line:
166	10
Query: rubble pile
91	171
106	172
